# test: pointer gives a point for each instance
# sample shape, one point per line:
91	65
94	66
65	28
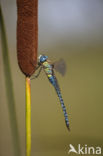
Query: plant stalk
9	88
28	117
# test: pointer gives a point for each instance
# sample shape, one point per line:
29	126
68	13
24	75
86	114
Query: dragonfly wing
60	66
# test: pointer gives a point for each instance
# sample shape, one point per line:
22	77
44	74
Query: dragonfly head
42	58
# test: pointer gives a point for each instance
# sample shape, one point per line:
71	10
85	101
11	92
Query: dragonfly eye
42	58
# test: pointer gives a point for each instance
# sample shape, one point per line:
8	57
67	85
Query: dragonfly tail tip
68	128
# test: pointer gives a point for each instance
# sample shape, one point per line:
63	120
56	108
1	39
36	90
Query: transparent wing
60	66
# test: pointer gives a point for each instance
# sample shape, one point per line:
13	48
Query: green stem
28	117
9	88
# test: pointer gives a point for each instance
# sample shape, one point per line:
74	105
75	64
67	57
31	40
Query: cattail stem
28	117
9	88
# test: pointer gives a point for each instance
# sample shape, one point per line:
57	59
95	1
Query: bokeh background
72	30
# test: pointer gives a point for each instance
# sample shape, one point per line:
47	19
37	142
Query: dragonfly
48	67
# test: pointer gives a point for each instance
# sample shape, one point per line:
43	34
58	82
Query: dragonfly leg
37	67
35	76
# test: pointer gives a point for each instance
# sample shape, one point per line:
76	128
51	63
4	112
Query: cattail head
27	35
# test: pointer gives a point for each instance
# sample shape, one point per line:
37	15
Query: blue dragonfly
48	67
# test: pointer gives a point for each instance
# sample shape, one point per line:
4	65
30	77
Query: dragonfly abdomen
52	80
63	107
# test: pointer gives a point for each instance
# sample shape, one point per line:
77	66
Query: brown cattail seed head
27	35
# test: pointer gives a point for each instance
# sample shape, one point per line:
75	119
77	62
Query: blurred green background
72	30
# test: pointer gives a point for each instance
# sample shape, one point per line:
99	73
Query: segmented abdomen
54	82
